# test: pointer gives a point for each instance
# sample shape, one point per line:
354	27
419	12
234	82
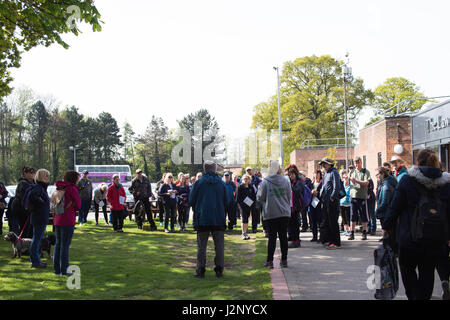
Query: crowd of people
285	202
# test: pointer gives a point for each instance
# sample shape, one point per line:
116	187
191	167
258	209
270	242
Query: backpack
429	219
341	193
385	260
26	204
307	196
58	202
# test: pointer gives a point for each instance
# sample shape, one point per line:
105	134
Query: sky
170	58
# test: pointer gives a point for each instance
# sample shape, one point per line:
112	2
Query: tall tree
156	138
312	102
128	140
206	136
108	130
26	24
397	92
38	119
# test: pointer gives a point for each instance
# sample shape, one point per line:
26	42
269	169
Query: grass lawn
140	264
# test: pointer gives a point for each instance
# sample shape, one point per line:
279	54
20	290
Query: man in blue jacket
231	202
209	198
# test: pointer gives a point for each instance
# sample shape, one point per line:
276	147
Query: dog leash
23	229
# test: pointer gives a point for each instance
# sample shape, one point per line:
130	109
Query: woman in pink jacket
65	223
116	197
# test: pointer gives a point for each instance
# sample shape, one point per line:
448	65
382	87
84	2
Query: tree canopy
312	102
25	24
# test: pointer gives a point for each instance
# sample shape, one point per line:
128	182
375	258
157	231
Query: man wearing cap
399	168
329	196
141	189
208	198
85	191
230	208
359	185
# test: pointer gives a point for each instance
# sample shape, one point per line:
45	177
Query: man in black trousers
141	189
329	196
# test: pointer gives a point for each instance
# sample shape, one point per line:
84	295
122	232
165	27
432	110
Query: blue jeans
315	219
61	251
84	210
38	233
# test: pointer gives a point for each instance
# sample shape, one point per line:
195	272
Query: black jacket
40	204
166	198
244	192
17	208
144	188
298	192
405	200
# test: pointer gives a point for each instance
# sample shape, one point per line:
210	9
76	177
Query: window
380	159
364	162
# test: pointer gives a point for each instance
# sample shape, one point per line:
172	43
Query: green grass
140	264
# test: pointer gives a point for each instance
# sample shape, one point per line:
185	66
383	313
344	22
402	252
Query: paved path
315	273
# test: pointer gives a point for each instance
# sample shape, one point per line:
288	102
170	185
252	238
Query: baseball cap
226	174
85	171
138	171
396	158
326	160
248	168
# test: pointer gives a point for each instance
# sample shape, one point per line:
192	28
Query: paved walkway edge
280	288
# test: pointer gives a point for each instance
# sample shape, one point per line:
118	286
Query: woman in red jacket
65	223
116	197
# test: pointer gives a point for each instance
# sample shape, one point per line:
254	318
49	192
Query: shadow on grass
140	264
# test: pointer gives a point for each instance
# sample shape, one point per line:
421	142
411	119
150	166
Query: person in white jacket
275	195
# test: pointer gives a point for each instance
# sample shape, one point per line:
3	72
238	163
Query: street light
279	115
74	148
347	76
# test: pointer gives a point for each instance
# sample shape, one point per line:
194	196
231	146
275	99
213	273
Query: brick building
376	145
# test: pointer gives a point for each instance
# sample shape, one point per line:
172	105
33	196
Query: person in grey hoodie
275	195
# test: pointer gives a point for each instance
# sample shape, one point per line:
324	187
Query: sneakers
269	264
352	236
332	246
245	236
166	230
314	240
39	265
283	263
294	244
364	235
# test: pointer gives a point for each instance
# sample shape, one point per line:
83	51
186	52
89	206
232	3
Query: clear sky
172	57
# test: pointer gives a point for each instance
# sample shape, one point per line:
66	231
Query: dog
19	245
46	243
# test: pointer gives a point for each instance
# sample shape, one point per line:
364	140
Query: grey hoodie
276	196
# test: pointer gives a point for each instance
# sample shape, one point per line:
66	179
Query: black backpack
429	219
384	258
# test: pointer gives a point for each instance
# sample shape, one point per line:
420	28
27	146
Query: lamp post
347	76
74	148
279	116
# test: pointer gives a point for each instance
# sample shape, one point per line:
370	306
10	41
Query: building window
364	162
380	159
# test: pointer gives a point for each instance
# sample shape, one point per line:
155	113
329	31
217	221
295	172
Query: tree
312	104
396	91
26	24
208	138
128	139
38	119
109	137
156	138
